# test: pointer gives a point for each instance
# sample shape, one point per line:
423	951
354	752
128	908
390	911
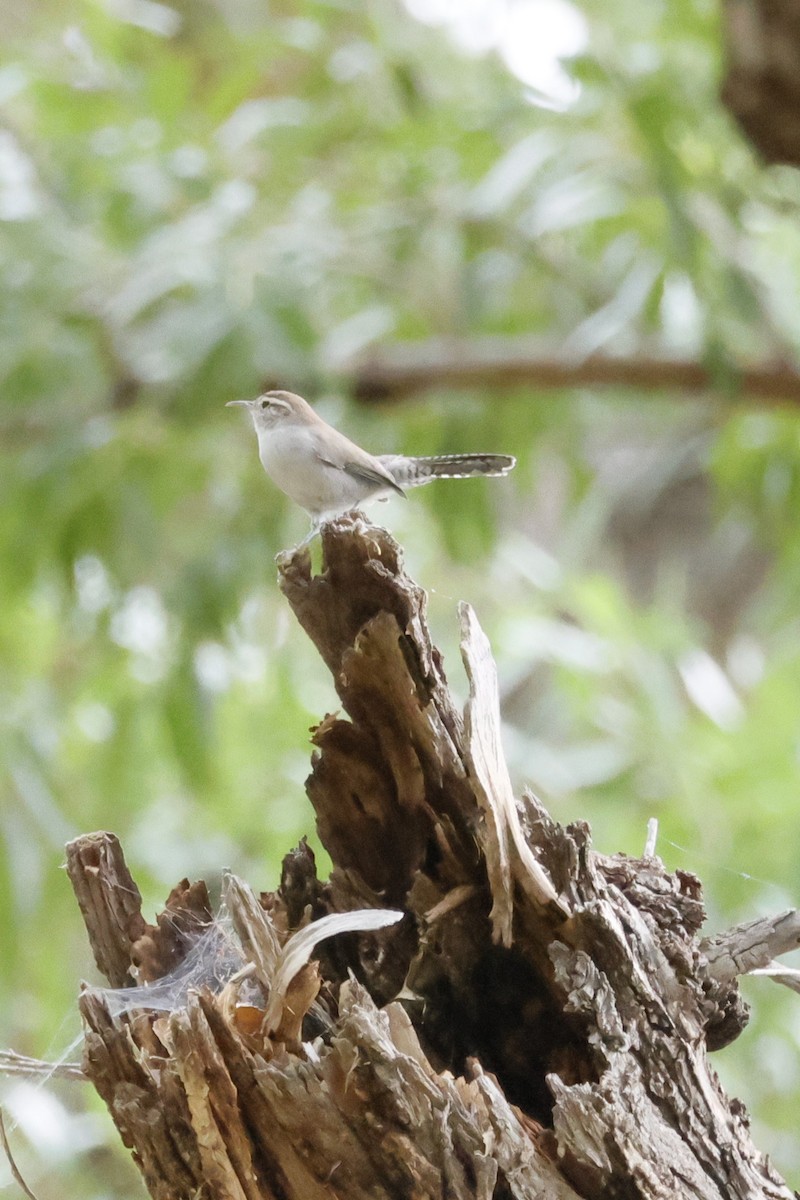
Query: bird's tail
413	472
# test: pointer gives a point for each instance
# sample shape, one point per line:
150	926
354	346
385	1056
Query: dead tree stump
536	1025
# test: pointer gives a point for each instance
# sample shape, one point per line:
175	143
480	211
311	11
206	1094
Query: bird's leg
359	519
283	556
312	533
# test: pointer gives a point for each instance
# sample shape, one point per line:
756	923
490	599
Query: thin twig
14	1168
652	838
12	1063
788	976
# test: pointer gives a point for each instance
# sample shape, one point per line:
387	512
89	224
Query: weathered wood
751	945
504	840
127	950
110	903
548	1010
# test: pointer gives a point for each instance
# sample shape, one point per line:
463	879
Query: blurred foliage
200	199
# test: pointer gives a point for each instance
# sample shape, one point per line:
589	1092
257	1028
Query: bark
537	1023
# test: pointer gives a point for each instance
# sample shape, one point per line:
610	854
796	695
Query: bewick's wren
327	474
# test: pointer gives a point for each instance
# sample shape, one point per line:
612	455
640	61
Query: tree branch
394	372
751	946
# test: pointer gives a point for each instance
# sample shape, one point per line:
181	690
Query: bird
320	469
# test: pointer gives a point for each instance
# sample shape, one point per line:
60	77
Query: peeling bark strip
492	784
535	1026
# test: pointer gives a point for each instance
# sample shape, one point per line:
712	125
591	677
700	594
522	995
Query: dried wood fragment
110	903
256	932
509	857
127	950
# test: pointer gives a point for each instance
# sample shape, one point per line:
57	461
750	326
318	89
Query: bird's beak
244	403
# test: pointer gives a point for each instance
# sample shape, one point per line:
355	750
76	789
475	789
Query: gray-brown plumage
413	472
327	474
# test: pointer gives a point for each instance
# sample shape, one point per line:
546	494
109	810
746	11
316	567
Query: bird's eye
265	403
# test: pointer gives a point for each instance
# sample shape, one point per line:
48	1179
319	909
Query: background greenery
201	198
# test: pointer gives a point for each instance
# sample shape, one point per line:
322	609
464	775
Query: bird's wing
339	452
374	474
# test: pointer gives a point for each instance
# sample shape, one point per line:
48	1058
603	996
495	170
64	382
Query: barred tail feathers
414	472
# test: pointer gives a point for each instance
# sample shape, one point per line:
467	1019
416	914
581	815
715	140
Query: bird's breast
291	458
